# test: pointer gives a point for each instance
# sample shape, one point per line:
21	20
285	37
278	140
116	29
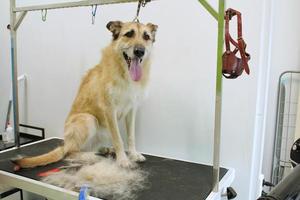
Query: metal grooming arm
71	5
219	16
15	22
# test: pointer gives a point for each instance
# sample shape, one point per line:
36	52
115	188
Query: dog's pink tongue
135	69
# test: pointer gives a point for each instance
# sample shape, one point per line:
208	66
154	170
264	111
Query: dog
110	91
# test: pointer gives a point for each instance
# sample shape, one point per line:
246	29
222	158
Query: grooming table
169	179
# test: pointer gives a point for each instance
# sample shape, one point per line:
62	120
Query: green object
209	8
218	102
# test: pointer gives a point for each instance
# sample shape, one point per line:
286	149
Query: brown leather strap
227	35
244	56
240	45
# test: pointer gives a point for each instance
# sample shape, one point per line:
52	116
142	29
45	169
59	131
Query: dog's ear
153	29
115	28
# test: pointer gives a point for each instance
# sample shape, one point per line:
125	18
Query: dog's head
133	42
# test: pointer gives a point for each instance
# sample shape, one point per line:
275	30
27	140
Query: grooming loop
94	12
142	3
44	15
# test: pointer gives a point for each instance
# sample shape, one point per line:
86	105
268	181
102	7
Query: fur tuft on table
103	176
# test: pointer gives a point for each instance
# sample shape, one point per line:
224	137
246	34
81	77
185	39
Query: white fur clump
103	176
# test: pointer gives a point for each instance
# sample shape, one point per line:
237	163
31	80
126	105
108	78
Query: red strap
227	35
240	44
242	47
49	172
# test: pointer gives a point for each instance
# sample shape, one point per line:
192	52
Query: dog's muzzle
139	51
135	63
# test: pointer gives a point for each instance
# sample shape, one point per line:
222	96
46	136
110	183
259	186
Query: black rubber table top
168	179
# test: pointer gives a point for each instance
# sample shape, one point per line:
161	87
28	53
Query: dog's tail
41	160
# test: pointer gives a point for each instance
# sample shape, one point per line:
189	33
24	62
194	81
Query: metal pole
14	71
19	20
73	4
218	103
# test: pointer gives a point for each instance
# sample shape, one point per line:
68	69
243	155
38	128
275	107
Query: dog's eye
146	36
129	34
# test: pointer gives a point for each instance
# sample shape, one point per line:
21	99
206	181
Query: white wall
177	118
284	55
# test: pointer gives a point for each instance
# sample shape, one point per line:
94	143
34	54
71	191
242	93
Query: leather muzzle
233	66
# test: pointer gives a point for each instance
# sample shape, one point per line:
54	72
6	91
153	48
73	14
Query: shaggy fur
110	91
103	176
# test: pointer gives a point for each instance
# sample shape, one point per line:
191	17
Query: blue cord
83	193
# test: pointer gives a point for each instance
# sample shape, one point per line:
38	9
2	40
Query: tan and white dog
108	92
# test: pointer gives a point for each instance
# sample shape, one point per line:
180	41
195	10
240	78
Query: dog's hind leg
79	129
130	126
112	125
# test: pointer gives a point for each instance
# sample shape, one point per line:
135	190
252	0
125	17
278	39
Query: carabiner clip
44	15
94	12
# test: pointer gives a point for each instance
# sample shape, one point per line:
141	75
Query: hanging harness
234	66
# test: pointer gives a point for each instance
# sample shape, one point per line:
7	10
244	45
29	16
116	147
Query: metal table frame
17	14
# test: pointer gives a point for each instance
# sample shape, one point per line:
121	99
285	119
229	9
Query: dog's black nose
139	51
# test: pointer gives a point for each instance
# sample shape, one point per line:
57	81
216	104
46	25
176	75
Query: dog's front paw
124	162
136	157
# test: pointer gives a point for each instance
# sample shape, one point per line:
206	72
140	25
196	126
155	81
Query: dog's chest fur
126	96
